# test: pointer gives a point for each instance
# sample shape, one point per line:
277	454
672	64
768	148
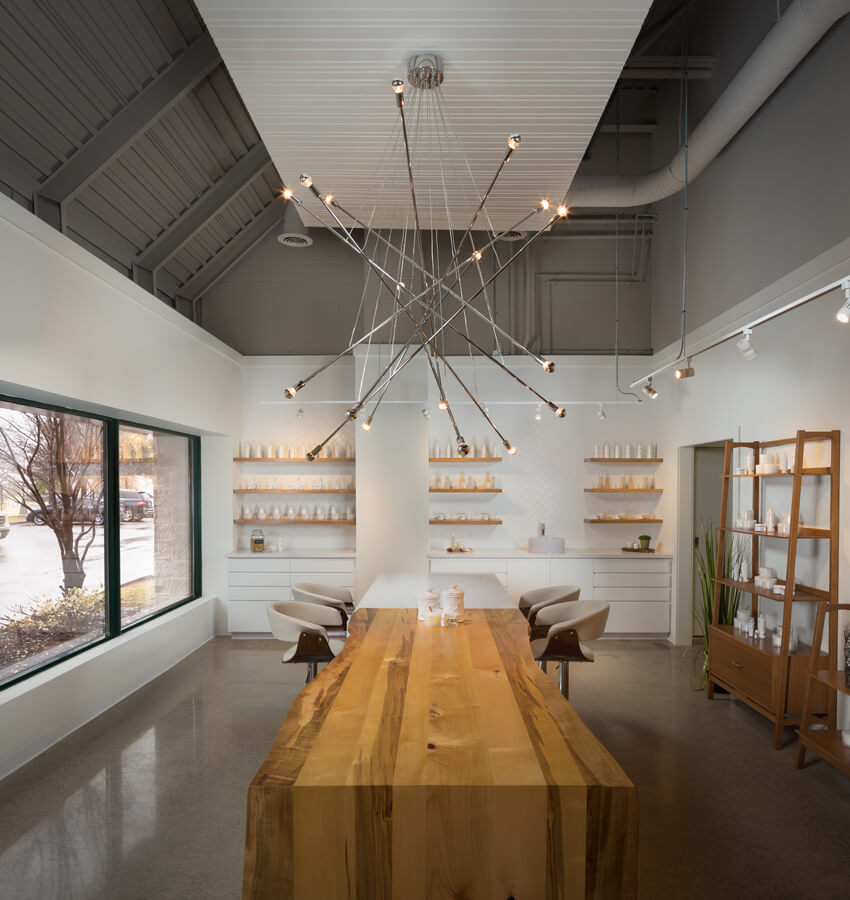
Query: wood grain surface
427	763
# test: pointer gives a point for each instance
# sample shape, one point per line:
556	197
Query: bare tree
56	461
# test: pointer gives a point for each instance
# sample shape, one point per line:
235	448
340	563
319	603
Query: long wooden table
427	763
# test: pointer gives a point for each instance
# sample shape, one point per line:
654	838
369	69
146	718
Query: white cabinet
639	593
573	571
255	581
527	575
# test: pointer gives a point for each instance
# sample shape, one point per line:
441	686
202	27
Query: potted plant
644	541
733	555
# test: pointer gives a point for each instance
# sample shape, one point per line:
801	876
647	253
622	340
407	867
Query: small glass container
258	541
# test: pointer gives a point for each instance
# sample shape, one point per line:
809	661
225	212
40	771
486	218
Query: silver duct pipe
803	24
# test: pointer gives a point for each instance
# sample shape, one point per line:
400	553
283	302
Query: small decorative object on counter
258	541
644	541
451	602
429	603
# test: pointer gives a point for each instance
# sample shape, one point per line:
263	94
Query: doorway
708	469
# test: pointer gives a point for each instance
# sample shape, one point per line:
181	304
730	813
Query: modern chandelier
429	294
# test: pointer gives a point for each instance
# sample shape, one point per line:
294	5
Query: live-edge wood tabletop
428	763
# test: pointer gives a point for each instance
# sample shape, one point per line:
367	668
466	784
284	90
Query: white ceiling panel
316	76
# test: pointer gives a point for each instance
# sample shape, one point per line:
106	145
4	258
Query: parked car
89	507
133	506
148	503
4	526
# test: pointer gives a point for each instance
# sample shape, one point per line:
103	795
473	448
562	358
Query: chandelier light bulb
649	390
444	404
514	141
290	392
562	211
544	204
306	180
352	413
398	85
477	255
548	366
560	412
328	198
511	449
313	454
287	193
366	424
462	447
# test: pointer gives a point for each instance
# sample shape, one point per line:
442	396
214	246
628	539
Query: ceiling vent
294	233
511	235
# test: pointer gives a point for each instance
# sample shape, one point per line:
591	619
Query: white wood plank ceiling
315	77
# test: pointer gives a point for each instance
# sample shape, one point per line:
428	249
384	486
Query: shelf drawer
638	618
632	595
259	579
747	669
320	565
258	563
341	579
643	563
631	579
248	618
265	593
469	566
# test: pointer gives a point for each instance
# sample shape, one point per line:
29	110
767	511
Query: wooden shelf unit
464	521
294	522
624	490
464	490
775	682
293	491
464	459
633	520
624	459
827	743
295	459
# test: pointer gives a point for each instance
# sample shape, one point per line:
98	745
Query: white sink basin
545	545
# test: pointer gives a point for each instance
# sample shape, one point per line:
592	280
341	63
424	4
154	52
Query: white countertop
294	554
395	590
520	553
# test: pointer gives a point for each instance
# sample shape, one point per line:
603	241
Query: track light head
649	390
843	314
600	412
538	413
685	371
745	344
426	413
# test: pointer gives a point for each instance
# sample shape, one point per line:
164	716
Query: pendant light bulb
649	390
559	411
544	204
444	404
600	412
366	424
477	255
314	453
397	85
509	447
462	447
562	211
306	180
287	193
328	199
548	366
514	141
290	392
352	413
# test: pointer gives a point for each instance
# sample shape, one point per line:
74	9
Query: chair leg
542	664
564	678
311	672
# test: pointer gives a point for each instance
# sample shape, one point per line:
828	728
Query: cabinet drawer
642	564
341	579
248	617
631	579
258	563
469	566
745	668
638	618
258	579
265	593
321	565
631	594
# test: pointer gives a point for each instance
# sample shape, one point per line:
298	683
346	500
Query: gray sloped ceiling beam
196	216
232	252
169	87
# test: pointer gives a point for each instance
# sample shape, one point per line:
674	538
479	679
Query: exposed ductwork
803	24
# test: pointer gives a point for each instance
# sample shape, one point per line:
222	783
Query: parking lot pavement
30	564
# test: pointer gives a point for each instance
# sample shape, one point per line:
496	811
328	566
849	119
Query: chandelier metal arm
400	103
474	399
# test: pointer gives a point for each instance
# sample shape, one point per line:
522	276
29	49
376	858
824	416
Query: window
98	530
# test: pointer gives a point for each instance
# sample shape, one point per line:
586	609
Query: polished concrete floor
148	800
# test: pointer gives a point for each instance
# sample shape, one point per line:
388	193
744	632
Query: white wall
76	332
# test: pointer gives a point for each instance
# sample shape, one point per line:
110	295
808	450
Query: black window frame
112	530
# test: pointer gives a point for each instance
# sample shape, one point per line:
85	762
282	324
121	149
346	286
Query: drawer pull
737	665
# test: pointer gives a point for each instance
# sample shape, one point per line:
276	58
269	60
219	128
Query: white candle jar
429	602
451	602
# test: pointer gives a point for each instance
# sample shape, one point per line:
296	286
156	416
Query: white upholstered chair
531	602
329	594
303	629
569	625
